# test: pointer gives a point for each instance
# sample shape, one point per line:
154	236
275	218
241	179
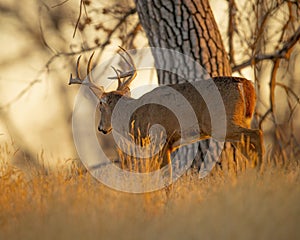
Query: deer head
108	100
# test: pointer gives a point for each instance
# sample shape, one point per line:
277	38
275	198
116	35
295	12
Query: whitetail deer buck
238	95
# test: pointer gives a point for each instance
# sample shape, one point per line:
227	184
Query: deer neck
121	113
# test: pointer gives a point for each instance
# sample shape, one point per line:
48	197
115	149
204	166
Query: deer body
239	101
238	95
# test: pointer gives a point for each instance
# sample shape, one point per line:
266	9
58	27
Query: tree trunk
187	26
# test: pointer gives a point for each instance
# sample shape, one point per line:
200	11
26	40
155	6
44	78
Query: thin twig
78	19
59	4
231	29
284	52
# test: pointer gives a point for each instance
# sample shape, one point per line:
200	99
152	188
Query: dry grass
129	162
233	204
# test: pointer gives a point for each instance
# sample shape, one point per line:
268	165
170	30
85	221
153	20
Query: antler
97	90
131	74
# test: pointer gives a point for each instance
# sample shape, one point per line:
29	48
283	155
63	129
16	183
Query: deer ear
126	92
98	91
103	100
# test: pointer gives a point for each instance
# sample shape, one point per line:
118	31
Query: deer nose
101	130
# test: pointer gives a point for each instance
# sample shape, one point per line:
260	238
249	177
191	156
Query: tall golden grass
130	162
237	202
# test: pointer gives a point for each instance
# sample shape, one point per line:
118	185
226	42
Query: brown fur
238	96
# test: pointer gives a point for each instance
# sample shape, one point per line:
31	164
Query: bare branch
284	52
288	89
231	29
59	4
272	84
82	4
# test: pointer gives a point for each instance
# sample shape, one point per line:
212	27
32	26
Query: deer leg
165	155
255	135
167	161
256	138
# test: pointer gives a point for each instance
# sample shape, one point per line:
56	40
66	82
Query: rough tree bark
187	26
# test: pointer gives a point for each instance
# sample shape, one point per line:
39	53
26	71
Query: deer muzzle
104	131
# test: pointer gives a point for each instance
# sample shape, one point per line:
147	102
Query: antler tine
131	64
89	69
77	79
131	74
77	67
97	90
118	76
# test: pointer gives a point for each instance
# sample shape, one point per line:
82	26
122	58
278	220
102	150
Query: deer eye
102	101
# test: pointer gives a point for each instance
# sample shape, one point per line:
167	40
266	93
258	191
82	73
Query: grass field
64	203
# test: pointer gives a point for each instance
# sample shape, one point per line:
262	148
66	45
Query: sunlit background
35	99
